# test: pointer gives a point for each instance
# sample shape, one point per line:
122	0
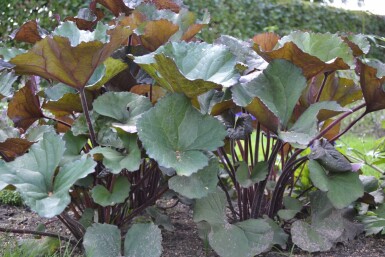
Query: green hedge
240	18
245	18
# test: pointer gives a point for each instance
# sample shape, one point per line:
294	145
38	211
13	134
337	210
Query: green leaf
39	247
34	134
177	136
143	240
112	68
8	53
342	188
211	208
115	161
34	175
280	236
57	91
279	87
102	240
292	207
160	219
120	191
124	107
76	36
247	238
199	184
190	68
6	81
258	173
305	128
326	47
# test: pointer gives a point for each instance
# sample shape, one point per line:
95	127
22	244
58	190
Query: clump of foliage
110	117
10	197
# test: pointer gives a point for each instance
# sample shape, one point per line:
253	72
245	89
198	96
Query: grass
9	247
362	149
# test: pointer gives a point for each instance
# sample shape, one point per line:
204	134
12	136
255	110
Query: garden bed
184	240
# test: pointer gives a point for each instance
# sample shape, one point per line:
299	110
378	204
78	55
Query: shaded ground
184	241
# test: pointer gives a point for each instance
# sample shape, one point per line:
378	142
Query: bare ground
184	241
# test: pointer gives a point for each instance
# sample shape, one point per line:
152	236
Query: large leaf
190	68
176	135
313	53
199	184
124	107
305	128
342	188
278	88
68	104
247	238
212	208
71	55
34	175
102	240
24	108
119	193
143	240
372	80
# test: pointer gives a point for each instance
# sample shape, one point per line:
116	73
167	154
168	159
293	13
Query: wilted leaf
156	33
342	188
24	108
29	32
102	240
156	92
313	53
199	184
190	68
143	240
116	6
34	175
176	135
119	193
278	88
14	147
73	59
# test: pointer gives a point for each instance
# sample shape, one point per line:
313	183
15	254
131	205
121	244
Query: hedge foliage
240	18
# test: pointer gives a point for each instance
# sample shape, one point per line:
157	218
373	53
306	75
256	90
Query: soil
184	240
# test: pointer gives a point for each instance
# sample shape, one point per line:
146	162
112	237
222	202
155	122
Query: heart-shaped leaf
119	193
72	54
102	240
190	68
247	238
342	188
176	135
126	110
34	175
279	87
314	53
143	240
292	207
199	184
